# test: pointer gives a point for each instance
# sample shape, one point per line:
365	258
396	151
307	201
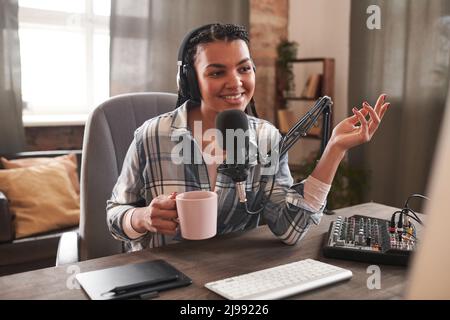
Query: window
64	47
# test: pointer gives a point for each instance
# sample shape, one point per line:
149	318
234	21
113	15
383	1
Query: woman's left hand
348	134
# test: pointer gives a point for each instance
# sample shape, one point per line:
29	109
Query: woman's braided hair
215	32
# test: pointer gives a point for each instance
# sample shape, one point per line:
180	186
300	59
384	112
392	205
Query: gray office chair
107	136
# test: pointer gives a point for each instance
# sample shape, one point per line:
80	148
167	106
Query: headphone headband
184	43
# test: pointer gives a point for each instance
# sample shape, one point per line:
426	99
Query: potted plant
285	84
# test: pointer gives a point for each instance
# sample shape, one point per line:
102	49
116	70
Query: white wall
322	29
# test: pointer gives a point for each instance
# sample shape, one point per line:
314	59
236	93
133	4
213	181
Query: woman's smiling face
225	75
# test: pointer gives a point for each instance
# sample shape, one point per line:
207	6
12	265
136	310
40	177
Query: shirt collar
179	126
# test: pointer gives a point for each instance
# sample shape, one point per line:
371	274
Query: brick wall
54	138
268	24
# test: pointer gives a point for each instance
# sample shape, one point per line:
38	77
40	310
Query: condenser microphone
233	126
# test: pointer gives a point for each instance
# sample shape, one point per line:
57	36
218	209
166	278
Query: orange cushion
41	197
69	161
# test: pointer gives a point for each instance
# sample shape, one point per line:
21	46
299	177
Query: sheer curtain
12	137
145	36
408	58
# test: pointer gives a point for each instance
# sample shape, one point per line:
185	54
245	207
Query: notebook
131	280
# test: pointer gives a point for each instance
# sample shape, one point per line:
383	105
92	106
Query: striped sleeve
126	193
315	192
288	214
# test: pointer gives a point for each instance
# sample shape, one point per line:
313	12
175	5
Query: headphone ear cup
179	80
191	77
182	82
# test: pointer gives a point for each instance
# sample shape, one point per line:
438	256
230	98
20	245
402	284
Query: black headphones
187	78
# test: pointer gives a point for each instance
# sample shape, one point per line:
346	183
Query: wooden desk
221	257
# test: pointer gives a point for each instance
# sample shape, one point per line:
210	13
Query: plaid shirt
148	171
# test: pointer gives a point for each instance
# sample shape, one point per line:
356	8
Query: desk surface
221	257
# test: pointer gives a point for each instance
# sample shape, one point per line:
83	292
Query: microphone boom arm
301	128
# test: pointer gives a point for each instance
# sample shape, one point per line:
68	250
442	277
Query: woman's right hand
159	216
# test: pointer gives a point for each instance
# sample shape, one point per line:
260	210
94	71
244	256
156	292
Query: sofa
33	252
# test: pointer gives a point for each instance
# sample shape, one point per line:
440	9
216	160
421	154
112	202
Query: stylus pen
132	288
141	294
149	295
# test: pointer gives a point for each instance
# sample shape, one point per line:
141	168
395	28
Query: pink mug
197	212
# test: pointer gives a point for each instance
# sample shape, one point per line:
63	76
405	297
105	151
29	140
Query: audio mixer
372	240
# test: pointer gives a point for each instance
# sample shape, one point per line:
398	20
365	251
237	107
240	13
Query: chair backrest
108	134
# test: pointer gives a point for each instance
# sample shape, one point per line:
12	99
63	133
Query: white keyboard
279	282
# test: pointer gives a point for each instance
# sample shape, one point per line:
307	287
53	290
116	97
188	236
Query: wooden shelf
301	99
326	89
309	60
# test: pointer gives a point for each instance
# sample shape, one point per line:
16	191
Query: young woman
142	210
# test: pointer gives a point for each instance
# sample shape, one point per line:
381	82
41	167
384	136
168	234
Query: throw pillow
41	198
69	161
